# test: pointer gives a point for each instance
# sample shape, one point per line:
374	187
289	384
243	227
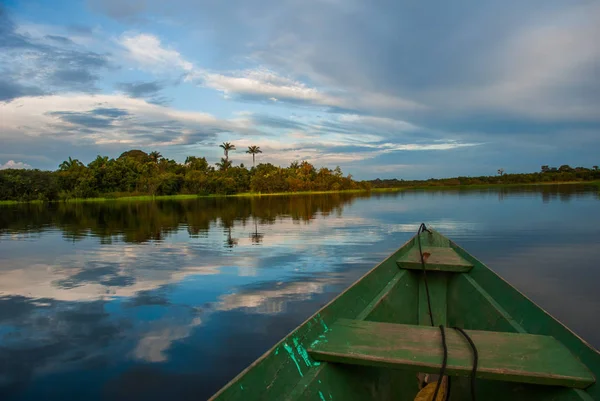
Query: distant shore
142	198
483	186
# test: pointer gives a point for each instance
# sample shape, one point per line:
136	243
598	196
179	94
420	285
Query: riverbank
483	186
142	198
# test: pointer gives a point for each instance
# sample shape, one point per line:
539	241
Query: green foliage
564	173
28	185
224	164
139	173
136	154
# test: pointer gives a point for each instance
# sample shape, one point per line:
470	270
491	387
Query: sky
390	89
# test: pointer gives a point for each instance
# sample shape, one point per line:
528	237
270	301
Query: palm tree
224	164
227	147
69	164
253	150
155	156
100	161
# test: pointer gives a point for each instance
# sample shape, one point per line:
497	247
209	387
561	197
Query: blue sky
384	89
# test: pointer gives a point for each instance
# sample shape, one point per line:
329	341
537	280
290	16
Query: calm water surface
170	300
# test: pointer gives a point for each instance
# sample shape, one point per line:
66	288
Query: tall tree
500	171
196	163
253	150
155	156
565	168
226	148
224	164
99	162
69	164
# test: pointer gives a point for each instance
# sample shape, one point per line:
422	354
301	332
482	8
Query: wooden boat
375	341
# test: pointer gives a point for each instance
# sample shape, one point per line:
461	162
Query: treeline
547	174
138	173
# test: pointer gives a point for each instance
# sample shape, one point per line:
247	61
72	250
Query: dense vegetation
138	173
547	174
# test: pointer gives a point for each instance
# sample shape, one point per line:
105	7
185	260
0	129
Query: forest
136	173
547	174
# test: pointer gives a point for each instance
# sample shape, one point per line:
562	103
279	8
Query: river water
171	299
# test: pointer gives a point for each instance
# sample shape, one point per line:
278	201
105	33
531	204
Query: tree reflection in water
137	222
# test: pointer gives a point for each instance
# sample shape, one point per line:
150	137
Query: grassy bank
141	198
298	193
132	198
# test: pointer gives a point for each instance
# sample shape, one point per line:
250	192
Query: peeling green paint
322	396
302	352
324	325
290	351
322	339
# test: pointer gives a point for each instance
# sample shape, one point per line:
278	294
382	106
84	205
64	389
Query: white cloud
11	164
106	119
327	150
263	83
382	122
121	121
266	84
147	51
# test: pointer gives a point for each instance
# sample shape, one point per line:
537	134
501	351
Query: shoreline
145	198
484	186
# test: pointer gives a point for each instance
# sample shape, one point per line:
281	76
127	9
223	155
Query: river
171	299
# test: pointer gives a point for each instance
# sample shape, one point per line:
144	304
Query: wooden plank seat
515	357
436	258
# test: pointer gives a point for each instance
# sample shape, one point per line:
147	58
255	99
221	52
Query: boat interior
381	339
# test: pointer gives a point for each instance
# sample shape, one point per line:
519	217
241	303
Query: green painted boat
376	341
